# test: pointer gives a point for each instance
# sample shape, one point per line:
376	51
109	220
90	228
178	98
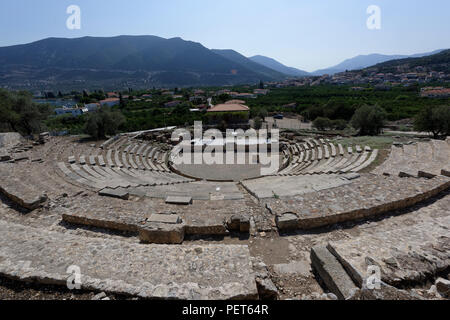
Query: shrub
339	124
257	123
322	123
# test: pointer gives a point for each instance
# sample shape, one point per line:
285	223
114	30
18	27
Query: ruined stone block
287	221
162	233
121	194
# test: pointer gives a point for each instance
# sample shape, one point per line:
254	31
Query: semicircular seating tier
125	163
321	156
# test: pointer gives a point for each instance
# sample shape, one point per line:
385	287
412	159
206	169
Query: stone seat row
328	158
150	159
99	177
425	159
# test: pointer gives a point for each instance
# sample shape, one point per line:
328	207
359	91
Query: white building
73	111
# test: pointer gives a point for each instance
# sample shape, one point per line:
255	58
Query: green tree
19	113
103	123
257	123
369	120
434	119
261	113
122	102
261	84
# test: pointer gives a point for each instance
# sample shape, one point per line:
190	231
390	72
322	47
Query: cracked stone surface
151	271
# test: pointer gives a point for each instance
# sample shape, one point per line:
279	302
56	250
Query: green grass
375	142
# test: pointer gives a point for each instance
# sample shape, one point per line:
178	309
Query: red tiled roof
235	102
229	108
110	100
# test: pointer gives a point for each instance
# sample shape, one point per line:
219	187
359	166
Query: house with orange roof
110	102
112	95
235	102
229	108
234	115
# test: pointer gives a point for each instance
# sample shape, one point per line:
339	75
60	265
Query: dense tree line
328	106
341	102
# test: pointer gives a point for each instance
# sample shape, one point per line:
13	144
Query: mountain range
364	61
148	59
439	62
145	61
256	67
275	65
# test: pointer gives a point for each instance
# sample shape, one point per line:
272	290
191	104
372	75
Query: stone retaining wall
306	215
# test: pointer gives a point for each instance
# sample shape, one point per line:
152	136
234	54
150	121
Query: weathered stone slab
216	196
4	155
21	158
164	218
443	287
368	196
301	268
341	149
101	161
107	192
425	174
199	190
351	176
72	159
406	254
179	200
287	221
445	172
206	227
27	201
281	186
18	191
92	161
162	233
10	139
332	273
203	272
239	223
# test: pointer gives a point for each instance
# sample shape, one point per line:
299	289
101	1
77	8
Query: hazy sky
307	34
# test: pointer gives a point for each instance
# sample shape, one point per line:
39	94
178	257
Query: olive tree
103	122
435	120
369	120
